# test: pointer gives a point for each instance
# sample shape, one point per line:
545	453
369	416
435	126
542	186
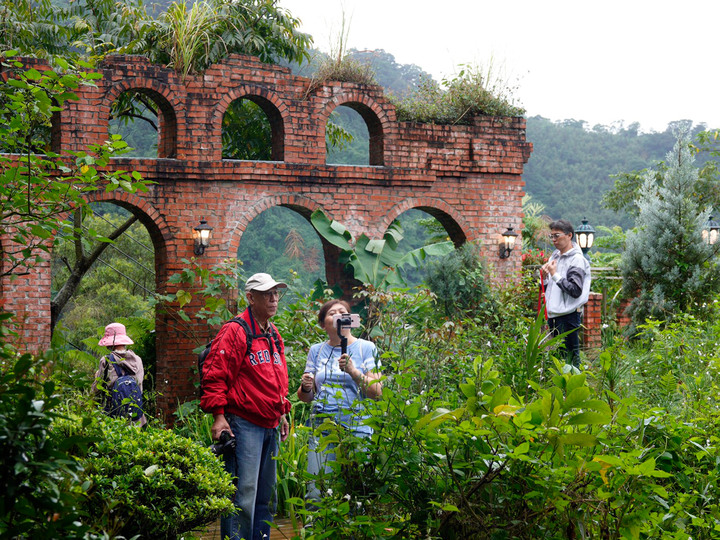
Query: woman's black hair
326	307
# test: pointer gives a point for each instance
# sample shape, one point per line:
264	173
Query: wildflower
329	492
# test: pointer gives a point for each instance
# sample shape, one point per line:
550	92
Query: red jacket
251	385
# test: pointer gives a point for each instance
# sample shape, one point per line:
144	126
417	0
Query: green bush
458	280
149	482
40	490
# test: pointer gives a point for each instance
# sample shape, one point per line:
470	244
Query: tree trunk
83	263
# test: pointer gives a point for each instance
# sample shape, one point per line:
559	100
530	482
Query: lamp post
710	231
506	247
585	235
201	237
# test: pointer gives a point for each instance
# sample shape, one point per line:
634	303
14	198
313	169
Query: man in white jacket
566	277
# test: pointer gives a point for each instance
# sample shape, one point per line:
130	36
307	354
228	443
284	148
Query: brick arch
170	126
455	225
275	109
379	121
148	215
302	205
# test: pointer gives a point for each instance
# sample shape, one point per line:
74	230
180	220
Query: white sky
646	61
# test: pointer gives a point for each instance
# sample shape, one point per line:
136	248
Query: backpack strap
250	335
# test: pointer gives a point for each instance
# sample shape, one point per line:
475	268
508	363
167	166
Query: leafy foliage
38	190
41	489
188	37
459	283
375	262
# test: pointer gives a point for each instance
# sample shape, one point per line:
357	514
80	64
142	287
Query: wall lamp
201	237
508	243
710	231
585	236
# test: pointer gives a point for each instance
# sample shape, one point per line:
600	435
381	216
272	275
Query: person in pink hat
120	361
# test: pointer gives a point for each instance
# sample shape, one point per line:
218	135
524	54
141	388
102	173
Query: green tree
666	266
37	191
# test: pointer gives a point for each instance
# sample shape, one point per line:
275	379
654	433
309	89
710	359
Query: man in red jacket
246	392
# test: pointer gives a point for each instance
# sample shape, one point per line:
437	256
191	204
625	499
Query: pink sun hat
115	335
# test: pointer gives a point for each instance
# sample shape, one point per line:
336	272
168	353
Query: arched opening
107	282
282	242
420	228
146	121
252	129
353	136
347	141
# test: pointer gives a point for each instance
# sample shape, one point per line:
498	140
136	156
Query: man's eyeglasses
272	294
555	236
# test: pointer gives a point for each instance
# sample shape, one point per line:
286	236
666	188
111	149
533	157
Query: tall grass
190	35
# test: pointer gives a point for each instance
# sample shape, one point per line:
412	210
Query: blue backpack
124	398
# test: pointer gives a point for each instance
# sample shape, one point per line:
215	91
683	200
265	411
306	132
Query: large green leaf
331	230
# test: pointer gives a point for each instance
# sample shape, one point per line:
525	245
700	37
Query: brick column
592	322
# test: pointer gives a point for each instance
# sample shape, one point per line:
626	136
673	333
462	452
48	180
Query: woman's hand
348	366
307	382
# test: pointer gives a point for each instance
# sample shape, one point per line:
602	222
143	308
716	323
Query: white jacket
569	288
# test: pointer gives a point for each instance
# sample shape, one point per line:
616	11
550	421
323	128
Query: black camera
224	445
346	320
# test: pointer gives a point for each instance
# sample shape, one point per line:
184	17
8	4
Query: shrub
39	489
150	482
458	280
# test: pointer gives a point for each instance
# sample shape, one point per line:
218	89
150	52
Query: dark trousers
566	323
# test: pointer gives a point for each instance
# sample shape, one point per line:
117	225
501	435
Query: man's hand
220	424
549	268
284	428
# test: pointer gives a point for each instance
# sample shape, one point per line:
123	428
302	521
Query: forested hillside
572	165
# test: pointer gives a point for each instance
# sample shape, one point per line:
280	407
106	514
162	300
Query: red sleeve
221	367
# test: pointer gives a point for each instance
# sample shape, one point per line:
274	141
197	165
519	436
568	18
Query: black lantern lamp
710	231
201	237
506	247
585	236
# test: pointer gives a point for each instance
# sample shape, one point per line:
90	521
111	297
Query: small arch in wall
373	149
147	121
347	140
253	129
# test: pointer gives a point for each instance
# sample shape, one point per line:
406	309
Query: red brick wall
468	177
